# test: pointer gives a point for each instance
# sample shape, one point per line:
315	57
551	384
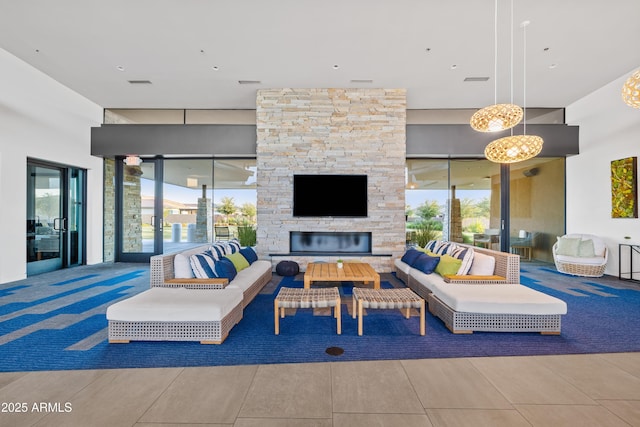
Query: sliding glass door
55	217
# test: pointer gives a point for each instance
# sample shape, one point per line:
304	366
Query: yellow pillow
448	265
238	261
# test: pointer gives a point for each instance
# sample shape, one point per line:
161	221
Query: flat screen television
330	195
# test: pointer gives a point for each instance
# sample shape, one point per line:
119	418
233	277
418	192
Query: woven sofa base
255	289
467	323
207	332
581	269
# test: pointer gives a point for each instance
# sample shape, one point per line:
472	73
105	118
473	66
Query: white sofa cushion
176	304
566	259
247	277
498	299
482	265
182	266
402	266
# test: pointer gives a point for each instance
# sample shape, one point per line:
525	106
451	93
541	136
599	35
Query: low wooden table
351	271
403	298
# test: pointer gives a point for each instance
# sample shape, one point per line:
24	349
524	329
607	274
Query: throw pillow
482	265
466	256
410	256
226	269
568	246
238	261
234	245
448	265
249	254
426	263
586	248
203	265
218	250
444	248
182	267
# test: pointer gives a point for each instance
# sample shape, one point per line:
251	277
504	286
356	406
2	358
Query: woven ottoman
175	314
403	298
307	298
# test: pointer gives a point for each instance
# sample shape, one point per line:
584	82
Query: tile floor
571	390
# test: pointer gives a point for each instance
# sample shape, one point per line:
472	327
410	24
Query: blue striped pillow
218	250
464	254
234	246
203	265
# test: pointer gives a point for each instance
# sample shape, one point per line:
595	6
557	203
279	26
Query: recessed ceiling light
546	49
336	66
120	68
140	82
215	68
552	66
249	82
476	79
428	50
361	81
454	66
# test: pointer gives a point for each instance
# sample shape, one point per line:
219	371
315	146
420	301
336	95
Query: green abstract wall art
624	188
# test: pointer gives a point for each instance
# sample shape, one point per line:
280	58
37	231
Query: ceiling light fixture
215	68
120	68
631	90
496	117
132	160
516	148
336	66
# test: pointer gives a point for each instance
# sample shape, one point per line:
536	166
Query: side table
628	251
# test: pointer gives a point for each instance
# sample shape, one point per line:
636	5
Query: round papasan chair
580	255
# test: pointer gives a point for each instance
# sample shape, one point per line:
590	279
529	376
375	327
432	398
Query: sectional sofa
182	307
487	298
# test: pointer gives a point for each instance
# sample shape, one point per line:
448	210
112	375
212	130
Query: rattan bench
306	298
402	298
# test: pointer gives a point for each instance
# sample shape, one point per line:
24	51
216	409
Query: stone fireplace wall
331	131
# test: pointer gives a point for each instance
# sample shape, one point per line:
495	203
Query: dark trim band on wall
240	140
152	140
460	140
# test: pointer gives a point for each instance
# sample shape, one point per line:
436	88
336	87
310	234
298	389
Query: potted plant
339	262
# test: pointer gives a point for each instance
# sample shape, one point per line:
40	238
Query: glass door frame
120	255
64	259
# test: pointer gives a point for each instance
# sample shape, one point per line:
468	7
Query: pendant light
631	90
496	117
516	148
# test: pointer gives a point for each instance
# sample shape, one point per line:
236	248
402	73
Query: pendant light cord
495	53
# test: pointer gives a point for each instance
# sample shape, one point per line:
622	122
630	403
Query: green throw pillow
568	246
586	249
448	265
238	260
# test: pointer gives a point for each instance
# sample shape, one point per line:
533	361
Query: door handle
60	224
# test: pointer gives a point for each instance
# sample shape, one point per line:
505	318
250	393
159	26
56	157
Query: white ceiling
296	43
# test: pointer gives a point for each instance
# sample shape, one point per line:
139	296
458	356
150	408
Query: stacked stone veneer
331	131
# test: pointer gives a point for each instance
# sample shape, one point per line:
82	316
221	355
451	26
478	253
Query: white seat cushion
498	299
181	264
580	260
402	266
176	304
249	276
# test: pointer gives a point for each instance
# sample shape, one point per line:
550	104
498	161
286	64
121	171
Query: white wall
609	130
40	118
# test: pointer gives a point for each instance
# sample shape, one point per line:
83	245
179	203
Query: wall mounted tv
330	195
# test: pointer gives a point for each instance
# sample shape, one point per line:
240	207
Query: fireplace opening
330	242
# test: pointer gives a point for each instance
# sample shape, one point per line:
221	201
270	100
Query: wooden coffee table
351	271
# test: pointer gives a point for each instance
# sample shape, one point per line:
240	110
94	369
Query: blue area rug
61	325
